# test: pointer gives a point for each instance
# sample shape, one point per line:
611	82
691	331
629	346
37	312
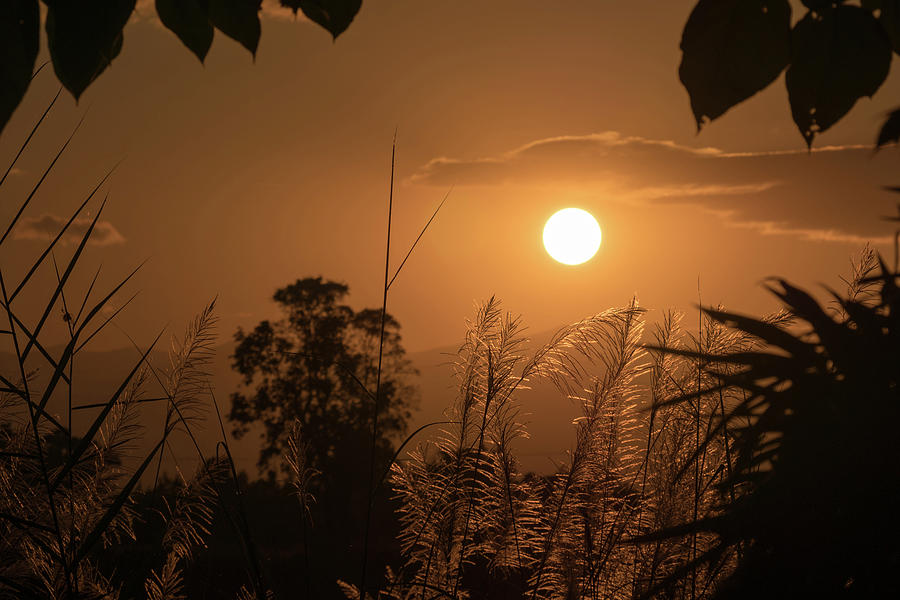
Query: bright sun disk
572	236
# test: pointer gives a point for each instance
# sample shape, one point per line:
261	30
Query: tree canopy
318	365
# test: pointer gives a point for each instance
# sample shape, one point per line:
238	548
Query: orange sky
239	177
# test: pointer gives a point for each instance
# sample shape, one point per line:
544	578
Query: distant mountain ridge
98	374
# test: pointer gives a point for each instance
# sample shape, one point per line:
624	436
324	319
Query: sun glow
572	236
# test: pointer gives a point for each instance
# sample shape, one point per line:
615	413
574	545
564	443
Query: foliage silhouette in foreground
816	455
834	55
84	37
69	492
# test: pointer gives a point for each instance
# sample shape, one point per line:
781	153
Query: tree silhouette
84	37
317	366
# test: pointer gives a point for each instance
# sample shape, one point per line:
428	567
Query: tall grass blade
413	247
70	348
59	235
30	135
121	498
59	288
89	435
37	186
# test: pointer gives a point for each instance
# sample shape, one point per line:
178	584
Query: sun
572	236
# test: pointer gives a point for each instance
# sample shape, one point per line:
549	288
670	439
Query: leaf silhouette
889	17
84	37
19	32
333	15
839	56
731	50
238	19
189	21
890	130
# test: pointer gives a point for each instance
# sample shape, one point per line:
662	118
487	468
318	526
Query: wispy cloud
832	194
46	227
810	234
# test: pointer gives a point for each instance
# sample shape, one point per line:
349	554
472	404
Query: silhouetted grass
636	464
66	495
748	458
814	444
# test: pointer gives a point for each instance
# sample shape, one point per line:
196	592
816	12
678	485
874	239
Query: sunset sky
241	176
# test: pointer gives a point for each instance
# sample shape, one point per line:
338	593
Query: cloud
274	10
832	194
145	10
811	235
46	227
588	157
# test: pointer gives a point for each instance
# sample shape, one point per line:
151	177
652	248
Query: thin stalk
30	135
136	401
552	532
489	396
697	445
645	469
34	190
421	233
387	258
244	530
67	317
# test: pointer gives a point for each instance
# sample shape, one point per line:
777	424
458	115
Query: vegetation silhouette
311	373
315	366
815	465
833	56
68	503
475	526
764	464
85	37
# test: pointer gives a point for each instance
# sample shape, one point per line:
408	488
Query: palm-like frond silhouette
815	454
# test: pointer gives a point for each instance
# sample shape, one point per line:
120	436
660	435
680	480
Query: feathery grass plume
300	475
79	503
466	509
351	591
97	476
187	379
168	584
246	594
300	471
464	502
690	454
859	285
189	520
57	487
188	525
592	502
656	493
63	495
